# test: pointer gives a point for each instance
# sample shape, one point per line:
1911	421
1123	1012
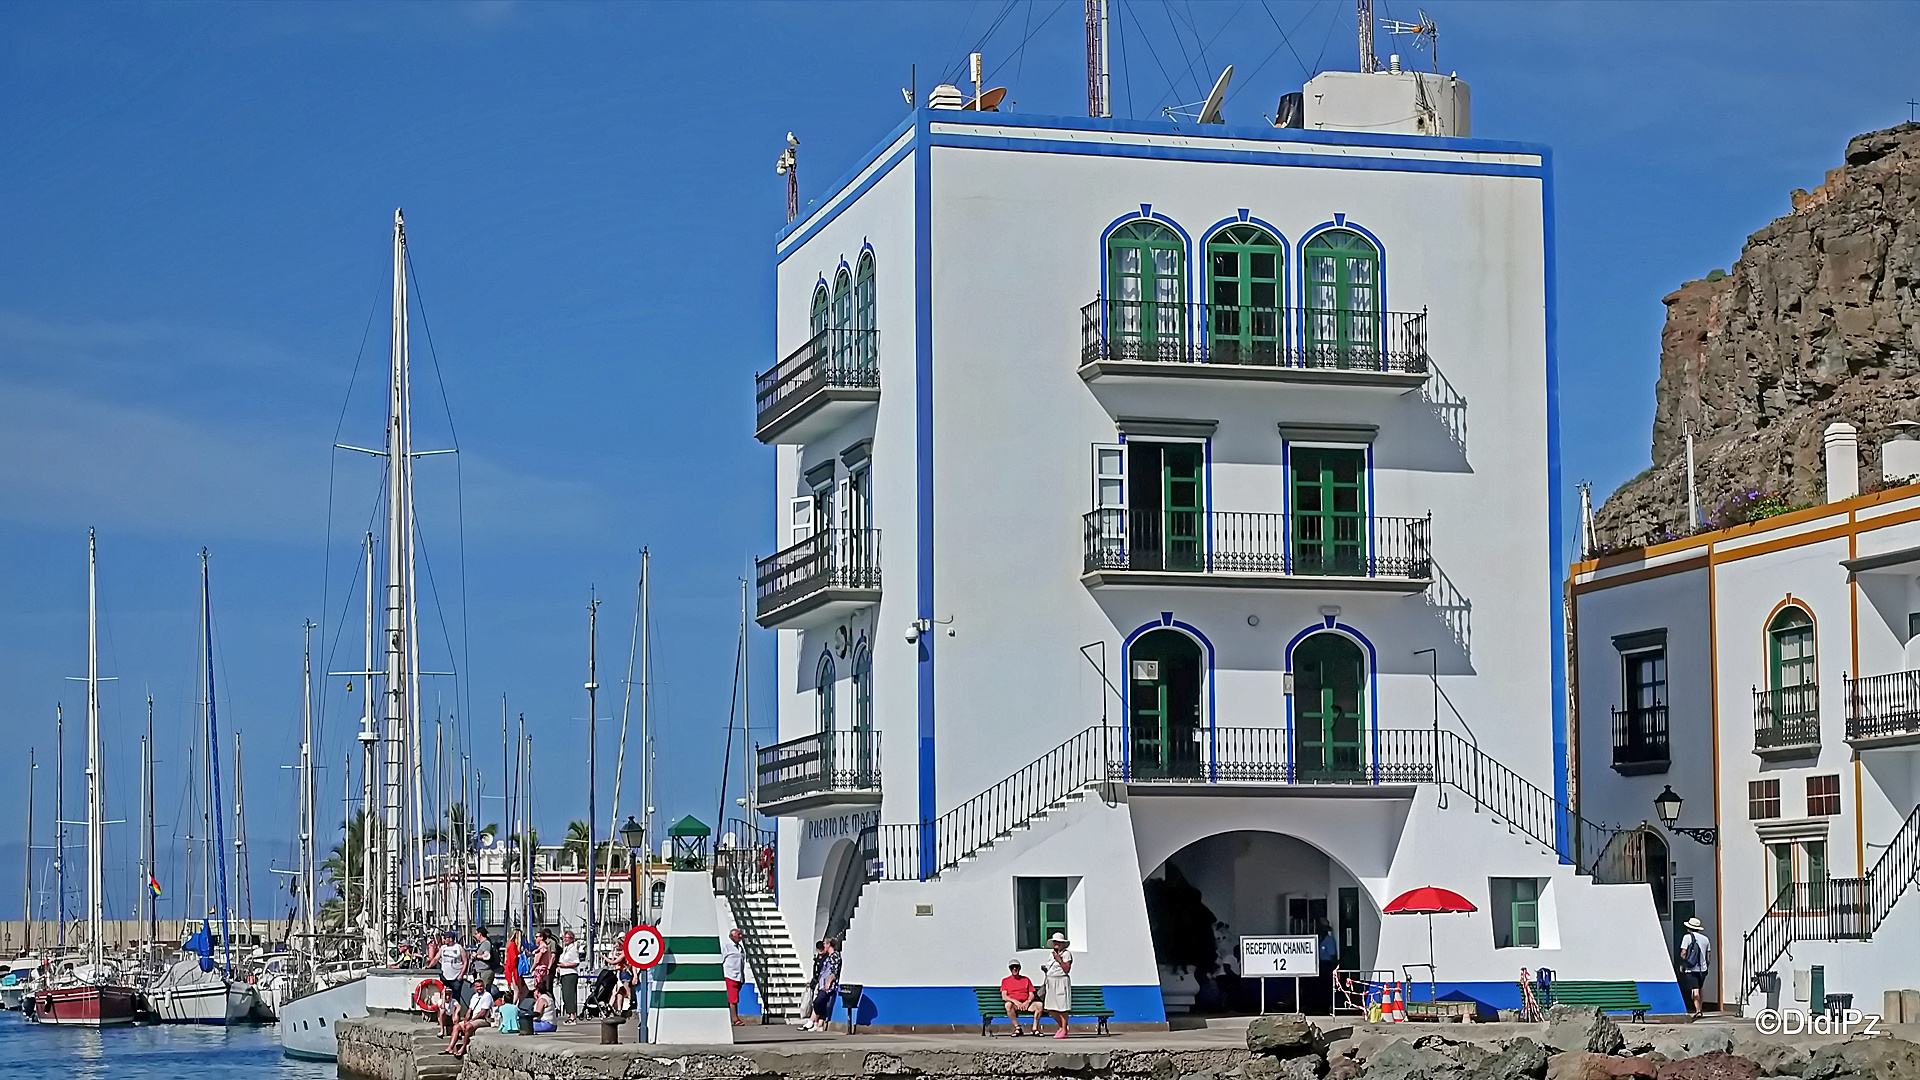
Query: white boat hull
224	1002
306	1022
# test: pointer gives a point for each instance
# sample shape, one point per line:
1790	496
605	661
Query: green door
1145	287
1329	512
1163	713
1343	300
1168	512
1328	672
1243	311
1349	929
1791	660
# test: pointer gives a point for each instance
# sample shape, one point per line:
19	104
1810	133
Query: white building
1145	487
1766	674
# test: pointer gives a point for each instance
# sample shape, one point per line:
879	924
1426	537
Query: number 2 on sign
644	947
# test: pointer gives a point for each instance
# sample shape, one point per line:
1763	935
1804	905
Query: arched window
1163	705
537	914
823	693
1343	300
1146	284
1244	309
483	907
1329	682
817	315
1791	678
862	763
842	320
657	894
865	314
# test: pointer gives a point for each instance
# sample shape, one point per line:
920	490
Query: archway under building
1249	883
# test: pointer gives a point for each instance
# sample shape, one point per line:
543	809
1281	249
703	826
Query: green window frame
842	320
1525	913
1342	275
1815	854
1329	702
823	676
1246	281
1167	509
1329	511
865	313
817	314
1040	905
1782	870
1146	290
1791	667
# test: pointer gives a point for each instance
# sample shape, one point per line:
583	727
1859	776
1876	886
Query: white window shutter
801	525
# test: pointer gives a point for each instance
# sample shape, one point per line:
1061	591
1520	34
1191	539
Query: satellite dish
1210	112
989	101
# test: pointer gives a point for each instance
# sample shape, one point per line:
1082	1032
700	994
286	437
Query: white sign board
1261	957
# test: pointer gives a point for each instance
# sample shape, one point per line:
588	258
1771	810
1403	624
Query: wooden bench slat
1087	1001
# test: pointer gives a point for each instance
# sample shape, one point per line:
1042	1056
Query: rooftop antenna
911	91
1208	111
1588	543
1426	34
975	68
1363	18
789	167
1099	81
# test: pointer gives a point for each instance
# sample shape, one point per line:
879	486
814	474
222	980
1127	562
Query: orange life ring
429	996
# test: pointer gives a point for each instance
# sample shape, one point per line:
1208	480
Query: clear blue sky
193	231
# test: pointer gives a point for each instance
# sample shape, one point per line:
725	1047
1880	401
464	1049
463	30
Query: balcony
828	768
1640	741
1143	338
824	383
1884	710
1786	722
1209	548
816	581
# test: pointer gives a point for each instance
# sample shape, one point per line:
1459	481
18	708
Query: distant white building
1769	676
501	893
1166	523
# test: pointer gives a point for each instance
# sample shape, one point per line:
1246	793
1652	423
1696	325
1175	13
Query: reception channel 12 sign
1289	957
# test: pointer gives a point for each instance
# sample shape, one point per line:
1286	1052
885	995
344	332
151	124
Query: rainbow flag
153	885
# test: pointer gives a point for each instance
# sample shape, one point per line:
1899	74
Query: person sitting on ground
509	1011
478	1014
546	1013
1017	993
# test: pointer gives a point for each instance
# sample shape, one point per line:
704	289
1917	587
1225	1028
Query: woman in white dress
1058	971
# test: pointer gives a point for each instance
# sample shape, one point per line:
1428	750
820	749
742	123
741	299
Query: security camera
913	633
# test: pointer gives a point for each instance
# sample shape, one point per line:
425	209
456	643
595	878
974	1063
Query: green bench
1607	996
1088	1001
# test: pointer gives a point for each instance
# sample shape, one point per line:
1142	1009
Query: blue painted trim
1373	549
1166	621
1146	213
959	141
1254	133
1245	217
1556	554
956	1005
923	473
1286	519
1332	622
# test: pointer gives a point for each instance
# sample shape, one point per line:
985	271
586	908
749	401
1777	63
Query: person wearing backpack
1696	954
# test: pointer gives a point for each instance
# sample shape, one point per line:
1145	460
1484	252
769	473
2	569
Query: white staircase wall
1865	969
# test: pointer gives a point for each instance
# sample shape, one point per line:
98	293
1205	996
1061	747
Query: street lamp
1667	806
634	835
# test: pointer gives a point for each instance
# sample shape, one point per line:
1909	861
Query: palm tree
346	870
573	851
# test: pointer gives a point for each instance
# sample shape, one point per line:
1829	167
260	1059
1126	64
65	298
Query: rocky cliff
1818	321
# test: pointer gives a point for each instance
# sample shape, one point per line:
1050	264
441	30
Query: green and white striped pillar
689	1001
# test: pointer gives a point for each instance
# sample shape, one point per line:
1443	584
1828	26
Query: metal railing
1837	909
1785	717
1236	755
1640	736
1385	342
834	358
1884	706
1215	542
829	559
822	762
747	866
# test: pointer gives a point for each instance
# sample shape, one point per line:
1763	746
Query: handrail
1883	706
841	760
1786	716
1252	335
1385	756
1234	542
833	357
831	558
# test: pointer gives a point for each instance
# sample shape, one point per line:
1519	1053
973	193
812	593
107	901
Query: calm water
162	1052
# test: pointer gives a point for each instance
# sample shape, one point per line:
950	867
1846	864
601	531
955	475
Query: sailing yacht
326	994
93	993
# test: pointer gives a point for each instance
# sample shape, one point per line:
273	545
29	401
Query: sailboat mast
646	698
60	819
243	874
96	862
306	781
399	676
593	689
219	839
746	708
369	767
26	887
141	897
146	825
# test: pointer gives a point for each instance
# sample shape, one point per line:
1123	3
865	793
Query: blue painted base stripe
1660	997
956	1005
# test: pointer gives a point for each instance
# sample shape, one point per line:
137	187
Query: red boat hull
84	1006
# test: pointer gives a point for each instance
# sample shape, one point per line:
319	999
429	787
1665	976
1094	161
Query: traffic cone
1397	1006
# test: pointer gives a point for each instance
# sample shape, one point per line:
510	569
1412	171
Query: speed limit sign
643	946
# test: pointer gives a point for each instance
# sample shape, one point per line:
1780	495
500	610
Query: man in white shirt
1696	956
733	966
479	1014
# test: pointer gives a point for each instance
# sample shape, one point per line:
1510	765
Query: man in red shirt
1016	990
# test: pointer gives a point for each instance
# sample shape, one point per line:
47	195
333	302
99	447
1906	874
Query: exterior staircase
779	978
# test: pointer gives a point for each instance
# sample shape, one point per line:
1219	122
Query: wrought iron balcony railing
1884	707
834	360
831	565
1786	720
1640	739
814	767
1212	542
1309	339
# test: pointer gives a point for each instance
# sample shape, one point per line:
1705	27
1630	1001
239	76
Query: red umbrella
1429	900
